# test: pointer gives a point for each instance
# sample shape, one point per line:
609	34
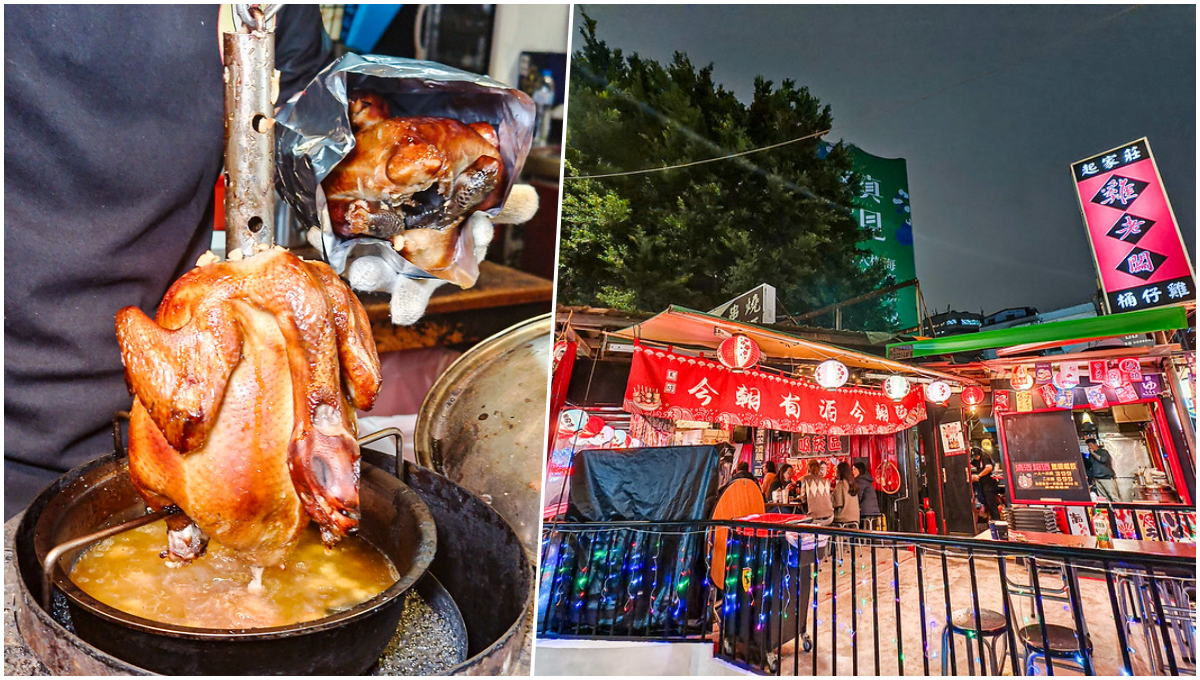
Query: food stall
662	381
1124	380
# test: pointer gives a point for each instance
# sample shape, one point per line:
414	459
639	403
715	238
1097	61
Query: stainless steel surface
483	423
249	139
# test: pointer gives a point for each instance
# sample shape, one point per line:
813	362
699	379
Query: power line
1086	29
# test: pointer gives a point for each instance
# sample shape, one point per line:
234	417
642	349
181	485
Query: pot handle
398	438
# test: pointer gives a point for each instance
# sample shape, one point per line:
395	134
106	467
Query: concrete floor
1098	614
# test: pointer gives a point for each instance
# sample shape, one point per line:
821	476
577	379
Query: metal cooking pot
483	423
99	494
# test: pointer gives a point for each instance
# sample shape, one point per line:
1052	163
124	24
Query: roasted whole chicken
243	415
413	180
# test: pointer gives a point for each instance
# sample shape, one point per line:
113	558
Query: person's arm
302	48
839	495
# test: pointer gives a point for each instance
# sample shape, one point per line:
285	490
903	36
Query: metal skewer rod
61	549
249	57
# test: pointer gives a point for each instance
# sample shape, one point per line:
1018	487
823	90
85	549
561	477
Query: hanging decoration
1149	386
1001	401
1065	399
1024	402
1126	394
739	352
938	392
1114	378
832	374
1043	374
972	395
896	387
1095	397
668	385
1132	369
1067	377
1050	396
1097	371
1021	379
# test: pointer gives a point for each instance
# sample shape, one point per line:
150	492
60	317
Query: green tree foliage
700	235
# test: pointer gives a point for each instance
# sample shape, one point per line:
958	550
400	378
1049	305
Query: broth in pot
215	590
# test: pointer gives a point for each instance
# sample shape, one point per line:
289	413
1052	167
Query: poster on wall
953	441
760	450
1136	243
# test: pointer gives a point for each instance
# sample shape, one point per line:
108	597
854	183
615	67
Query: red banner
668	385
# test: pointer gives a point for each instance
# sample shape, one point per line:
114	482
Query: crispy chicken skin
414	177
243	416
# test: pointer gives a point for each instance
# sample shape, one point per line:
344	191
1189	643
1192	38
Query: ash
424	644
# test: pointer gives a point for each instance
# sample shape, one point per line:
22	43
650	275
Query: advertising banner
668	385
884	210
1136	243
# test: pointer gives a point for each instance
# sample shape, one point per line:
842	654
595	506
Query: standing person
1101	472
987	490
845	496
868	498
113	141
768	478
814	491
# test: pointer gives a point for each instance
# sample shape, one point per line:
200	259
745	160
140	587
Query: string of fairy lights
758	590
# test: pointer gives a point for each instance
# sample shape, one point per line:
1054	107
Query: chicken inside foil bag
401	164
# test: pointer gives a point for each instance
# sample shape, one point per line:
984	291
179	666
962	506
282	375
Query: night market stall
1123	382
787	595
771	396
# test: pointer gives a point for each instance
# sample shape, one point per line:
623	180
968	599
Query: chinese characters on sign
1059	476
709	392
756	306
1135	238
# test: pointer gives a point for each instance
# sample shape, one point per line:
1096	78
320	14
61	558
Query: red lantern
738	352
972	395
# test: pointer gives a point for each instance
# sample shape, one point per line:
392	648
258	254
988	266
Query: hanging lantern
1022	379
896	387
972	395
738	352
938	392
832	374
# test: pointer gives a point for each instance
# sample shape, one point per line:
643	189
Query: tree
702	234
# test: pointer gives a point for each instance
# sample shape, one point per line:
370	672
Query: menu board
1044	461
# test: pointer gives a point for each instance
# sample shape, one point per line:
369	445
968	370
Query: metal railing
815	600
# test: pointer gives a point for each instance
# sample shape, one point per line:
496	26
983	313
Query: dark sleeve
302	48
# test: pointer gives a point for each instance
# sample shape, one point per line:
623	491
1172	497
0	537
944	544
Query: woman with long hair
845	496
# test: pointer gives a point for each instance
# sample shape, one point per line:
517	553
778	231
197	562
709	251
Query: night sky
995	218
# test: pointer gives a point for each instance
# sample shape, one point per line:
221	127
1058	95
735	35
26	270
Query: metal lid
483	424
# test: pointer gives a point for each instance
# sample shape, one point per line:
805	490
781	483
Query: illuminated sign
1135	239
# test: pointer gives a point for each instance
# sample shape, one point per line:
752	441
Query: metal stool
962	622
842	542
1064	646
870	522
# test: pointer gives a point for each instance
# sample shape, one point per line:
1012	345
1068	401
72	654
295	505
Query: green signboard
883	208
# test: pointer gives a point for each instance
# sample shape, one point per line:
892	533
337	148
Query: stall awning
1052	334
685	327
